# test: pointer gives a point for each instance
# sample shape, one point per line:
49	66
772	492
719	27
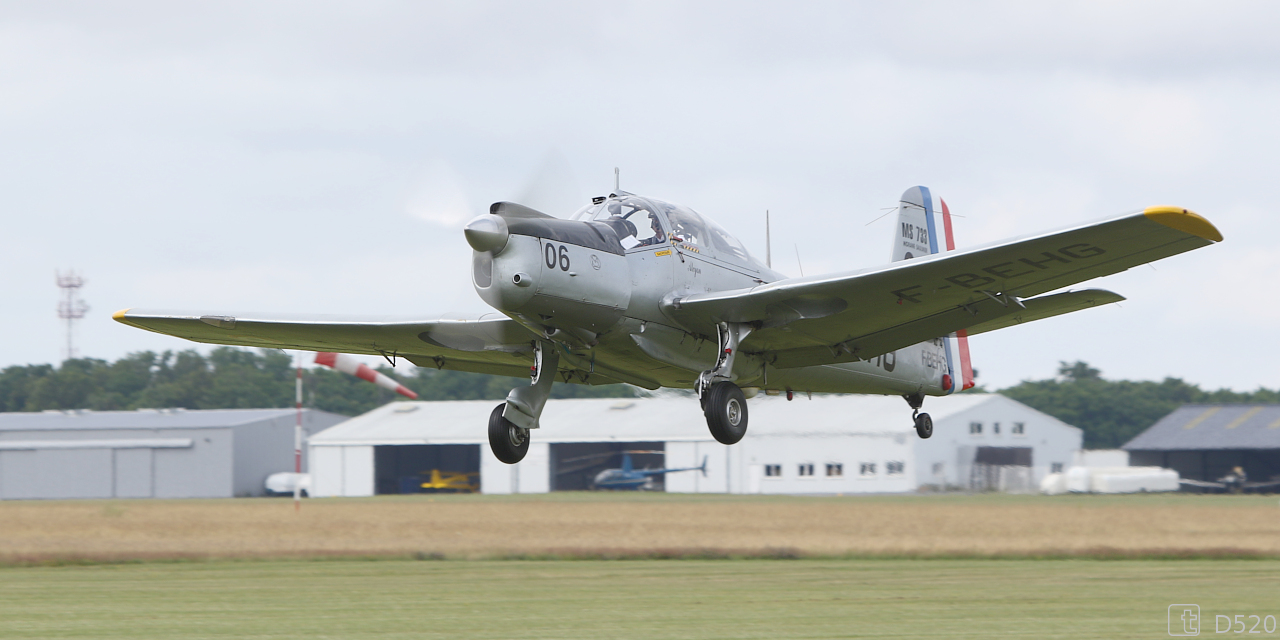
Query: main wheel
726	410
508	441
924	426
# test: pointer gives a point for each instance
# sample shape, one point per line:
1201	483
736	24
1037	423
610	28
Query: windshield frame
716	243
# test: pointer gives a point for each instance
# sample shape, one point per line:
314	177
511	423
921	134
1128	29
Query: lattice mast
71	307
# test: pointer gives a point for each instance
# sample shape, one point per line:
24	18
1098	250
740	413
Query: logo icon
1184	619
595	262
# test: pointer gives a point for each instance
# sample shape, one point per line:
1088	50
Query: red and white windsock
347	364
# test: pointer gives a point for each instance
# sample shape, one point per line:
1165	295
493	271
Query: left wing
862	314
489	343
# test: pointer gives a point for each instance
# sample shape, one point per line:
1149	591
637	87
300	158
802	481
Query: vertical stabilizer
914	236
917	235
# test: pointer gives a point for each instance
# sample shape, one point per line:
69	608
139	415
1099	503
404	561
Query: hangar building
148	453
829	444
1205	441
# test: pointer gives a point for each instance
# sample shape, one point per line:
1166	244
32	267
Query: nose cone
487	233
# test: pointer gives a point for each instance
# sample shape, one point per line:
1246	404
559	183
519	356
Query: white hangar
827	444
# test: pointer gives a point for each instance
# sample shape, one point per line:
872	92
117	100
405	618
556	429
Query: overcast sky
322	157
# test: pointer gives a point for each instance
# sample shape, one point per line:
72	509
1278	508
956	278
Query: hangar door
574	465
1006	469
108	468
444	468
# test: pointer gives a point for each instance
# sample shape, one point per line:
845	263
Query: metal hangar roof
1212	426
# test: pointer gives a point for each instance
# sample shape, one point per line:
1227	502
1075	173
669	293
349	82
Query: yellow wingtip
1183	220
119	315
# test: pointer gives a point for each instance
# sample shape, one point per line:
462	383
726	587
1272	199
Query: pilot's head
653	222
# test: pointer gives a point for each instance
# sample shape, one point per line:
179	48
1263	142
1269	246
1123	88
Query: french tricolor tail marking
346	364
962	336
948	379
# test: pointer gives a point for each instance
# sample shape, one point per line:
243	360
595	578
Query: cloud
183	154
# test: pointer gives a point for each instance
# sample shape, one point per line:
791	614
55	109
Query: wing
862	314
490	343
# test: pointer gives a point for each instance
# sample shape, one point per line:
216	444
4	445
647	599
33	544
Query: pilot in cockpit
621	217
658	236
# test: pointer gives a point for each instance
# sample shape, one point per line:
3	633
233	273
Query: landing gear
510	422
723	403
725	407
924	424
509	441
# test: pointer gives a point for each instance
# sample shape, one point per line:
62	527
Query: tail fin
917	235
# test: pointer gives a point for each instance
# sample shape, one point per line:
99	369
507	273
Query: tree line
231	378
1110	412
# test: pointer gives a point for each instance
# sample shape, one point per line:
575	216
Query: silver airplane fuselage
606	306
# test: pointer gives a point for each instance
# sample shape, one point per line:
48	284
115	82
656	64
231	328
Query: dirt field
644	525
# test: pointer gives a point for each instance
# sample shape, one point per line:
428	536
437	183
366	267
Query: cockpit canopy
642	222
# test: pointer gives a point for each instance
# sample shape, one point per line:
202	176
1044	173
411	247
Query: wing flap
1047	307
979	317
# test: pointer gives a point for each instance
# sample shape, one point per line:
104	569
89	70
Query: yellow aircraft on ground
453	481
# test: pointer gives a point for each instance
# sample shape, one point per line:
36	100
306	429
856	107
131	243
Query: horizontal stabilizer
1048	307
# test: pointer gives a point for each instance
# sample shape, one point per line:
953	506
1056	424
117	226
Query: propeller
552	187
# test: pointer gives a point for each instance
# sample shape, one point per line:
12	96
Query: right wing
862	314
490	343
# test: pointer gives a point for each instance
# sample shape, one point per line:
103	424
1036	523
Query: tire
508	441
726	410
924	426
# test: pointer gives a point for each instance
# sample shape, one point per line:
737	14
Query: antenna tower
71	307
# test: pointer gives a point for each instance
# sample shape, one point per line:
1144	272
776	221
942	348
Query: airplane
1234	481
636	290
456	481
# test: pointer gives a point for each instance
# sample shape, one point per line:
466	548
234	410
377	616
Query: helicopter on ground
627	477
636	290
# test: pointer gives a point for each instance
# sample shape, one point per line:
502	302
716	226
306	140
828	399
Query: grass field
926	566
393	599
647	525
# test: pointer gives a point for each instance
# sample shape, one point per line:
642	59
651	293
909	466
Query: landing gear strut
511	421
924	424
723	403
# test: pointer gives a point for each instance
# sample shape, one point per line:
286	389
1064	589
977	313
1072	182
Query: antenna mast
71	307
768	242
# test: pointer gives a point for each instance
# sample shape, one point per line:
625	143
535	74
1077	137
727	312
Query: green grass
628	599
